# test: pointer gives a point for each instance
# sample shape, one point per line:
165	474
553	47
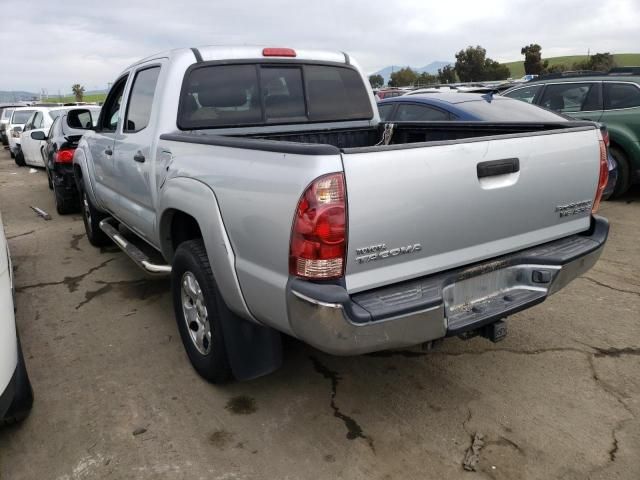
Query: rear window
237	95
504	110
621	95
6	113
20	117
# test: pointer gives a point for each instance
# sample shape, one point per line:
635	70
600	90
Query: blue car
474	107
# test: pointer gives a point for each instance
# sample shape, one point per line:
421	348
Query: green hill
622	60
98	97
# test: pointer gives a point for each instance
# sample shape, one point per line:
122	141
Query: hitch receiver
495	332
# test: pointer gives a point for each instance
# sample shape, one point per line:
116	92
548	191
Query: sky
54	44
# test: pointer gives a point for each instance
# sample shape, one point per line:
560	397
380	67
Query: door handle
108	151
139	157
498	167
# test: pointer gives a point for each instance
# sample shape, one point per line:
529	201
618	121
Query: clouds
55	44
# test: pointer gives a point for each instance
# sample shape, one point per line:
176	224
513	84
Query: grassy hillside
622	60
70	98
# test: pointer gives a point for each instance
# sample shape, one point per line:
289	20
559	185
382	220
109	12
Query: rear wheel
19	159
624	172
23	399
199	310
92	217
64	204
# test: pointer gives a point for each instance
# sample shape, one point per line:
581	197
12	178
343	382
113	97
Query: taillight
64	156
604	175
318	237
278	52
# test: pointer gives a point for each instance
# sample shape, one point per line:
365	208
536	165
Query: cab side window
111	109
141	100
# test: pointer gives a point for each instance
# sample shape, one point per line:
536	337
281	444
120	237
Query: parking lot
116	396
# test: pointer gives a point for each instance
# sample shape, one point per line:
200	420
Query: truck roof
241	52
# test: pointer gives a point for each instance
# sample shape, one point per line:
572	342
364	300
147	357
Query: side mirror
38	135
80	119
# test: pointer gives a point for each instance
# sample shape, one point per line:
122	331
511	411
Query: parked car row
45	136
612	99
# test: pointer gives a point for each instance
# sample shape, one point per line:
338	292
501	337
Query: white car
16	395
32	149
18	118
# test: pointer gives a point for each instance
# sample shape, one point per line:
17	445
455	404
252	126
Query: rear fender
253	349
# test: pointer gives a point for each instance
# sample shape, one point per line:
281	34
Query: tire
23	399
194	290
92	217
19	159
65	205
624	172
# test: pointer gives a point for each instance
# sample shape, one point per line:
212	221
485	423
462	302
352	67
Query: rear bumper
440	305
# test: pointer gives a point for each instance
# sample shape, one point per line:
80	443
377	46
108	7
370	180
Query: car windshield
20	117
505	110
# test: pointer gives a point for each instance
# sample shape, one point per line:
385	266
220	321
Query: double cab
263	181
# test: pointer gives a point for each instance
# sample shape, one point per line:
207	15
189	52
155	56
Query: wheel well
77	173
183	227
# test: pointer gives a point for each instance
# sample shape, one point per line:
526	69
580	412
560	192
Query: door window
111	109
621	95
571	97
385	111
141	99
420	113
38	120
29	123
526	94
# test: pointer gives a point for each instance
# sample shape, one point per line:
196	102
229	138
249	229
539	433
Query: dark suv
612	99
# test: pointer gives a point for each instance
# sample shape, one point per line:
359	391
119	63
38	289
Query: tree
556	68
447	74
470	64
533	63
426	79
376	81
495	70
473	65
599	61
78	91
403	77
602	61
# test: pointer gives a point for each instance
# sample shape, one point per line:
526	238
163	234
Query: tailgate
417	211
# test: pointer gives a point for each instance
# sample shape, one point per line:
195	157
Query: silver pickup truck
263	182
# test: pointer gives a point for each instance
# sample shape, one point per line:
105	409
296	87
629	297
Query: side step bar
137	255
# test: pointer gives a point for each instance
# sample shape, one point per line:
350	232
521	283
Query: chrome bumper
445	304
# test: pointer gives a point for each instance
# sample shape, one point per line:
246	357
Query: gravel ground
117	398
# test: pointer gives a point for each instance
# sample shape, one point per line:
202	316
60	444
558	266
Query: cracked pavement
117	398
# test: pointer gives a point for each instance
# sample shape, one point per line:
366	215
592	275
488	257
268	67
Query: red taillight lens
64	156
604	177
278	52
318	238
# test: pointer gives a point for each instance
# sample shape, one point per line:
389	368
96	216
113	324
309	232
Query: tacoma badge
379	252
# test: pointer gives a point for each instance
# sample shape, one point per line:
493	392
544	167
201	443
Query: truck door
133	153
102	144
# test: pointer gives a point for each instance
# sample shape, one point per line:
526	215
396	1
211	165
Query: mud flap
253	350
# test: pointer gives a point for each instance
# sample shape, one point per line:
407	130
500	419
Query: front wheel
92	217
199	309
